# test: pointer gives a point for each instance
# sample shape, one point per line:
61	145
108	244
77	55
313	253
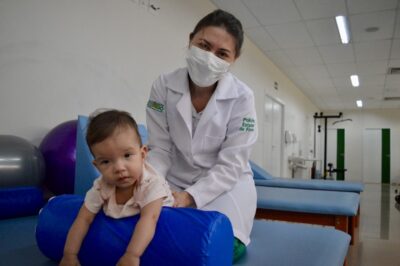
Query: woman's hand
129	260
69	260
183	199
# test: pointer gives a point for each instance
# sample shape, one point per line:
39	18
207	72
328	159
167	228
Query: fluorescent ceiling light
359	103
354	80
343	27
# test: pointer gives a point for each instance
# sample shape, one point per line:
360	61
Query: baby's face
120	158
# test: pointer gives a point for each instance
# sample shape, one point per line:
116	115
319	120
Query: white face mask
204	67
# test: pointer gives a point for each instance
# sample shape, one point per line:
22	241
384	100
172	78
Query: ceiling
301	38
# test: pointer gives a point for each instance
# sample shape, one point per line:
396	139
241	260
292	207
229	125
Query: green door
340	154
385	155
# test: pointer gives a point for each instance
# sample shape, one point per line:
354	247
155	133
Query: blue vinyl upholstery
292	244
184	236
20	201
308	201
272	243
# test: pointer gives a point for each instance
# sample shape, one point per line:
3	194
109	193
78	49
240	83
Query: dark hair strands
103	125
221	18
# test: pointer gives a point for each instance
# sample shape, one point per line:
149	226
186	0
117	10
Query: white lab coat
211	164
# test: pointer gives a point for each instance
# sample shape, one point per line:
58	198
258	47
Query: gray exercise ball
21	163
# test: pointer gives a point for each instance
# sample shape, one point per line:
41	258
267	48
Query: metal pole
315	128
325	144
319	116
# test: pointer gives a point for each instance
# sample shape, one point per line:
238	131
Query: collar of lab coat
225	88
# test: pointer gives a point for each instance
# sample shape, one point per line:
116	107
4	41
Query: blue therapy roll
183	236
20	201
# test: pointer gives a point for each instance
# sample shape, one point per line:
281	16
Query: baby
127	186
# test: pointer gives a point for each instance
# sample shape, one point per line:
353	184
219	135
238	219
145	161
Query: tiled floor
379	232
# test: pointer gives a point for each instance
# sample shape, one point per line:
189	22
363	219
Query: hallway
379	232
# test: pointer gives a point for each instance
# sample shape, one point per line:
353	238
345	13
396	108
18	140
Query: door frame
281	131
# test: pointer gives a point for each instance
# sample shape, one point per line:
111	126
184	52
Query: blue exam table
263	178
323	202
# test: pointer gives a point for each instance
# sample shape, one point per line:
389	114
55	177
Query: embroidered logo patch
155	106
247	124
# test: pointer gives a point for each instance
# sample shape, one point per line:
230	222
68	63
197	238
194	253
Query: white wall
260	74
362	119
62	58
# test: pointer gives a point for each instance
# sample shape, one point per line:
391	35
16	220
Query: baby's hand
128	260
69	260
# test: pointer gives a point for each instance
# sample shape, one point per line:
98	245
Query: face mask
204	67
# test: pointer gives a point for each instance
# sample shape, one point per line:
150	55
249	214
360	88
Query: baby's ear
94	163
144	150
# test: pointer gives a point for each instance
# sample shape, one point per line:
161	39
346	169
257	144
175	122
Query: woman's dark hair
221	18
103	125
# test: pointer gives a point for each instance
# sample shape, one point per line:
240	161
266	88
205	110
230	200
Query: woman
202	123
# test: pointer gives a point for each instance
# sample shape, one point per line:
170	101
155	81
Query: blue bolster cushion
20	201
184	236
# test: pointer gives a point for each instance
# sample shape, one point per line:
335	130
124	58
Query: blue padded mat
18	245
273	243
290	244
308	201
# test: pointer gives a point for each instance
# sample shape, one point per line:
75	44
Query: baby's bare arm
76	235
143	234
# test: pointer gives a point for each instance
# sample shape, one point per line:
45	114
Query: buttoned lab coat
211	164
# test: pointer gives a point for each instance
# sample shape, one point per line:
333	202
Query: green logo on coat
248	124
155	106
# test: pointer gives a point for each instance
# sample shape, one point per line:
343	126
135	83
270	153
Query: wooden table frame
347	224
